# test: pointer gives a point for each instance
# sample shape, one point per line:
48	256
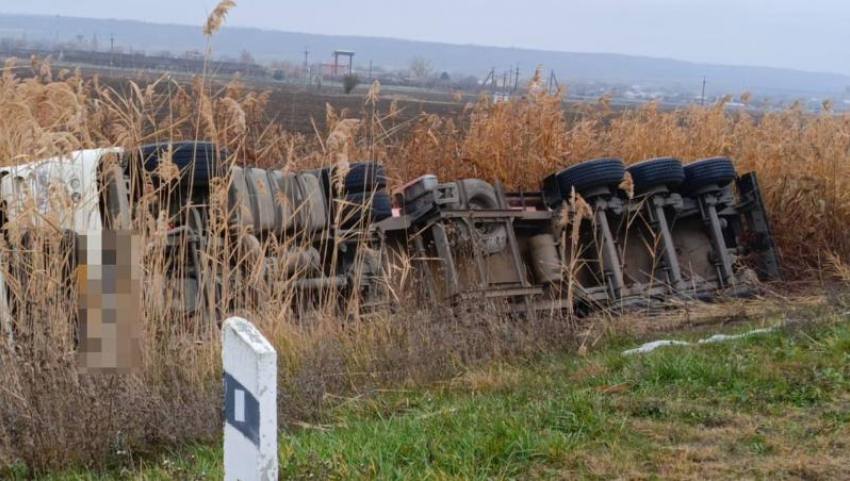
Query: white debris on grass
651	346
724	337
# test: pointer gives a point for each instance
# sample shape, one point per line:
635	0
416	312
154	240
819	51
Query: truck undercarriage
583	243
597	236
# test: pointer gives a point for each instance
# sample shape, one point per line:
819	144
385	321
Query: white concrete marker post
250	403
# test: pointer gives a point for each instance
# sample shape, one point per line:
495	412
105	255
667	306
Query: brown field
302	109
296	108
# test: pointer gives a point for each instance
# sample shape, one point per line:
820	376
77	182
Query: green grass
776	405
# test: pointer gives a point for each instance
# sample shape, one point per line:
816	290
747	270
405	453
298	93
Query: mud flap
759	239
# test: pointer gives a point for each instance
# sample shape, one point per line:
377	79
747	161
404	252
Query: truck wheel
312	206
590	175
199	162
482	196
382	206
241	215
661	172
365	177
719	171
376	207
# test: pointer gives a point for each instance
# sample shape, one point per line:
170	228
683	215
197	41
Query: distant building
501	96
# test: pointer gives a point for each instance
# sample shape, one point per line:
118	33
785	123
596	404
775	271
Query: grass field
773	406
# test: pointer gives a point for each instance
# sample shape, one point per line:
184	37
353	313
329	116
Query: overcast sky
802	34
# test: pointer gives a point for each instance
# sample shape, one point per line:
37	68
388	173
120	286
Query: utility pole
516	79
307	65
491	79
702	100
553	83
112	54
370	71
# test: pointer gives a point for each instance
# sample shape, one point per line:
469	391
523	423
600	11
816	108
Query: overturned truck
598	235
584	242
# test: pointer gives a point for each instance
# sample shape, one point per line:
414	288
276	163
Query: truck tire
199	162
661	172
241	215
375	206
719	171
382	206
262	201
325	180
312	207
590	175
365	177
285	194
492	238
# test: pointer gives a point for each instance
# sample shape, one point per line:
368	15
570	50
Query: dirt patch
699	318
748	447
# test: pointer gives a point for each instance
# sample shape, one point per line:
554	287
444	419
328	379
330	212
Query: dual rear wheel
667	172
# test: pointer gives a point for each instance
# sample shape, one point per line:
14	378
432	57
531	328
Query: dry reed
51	416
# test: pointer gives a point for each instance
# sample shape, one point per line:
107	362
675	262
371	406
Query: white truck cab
64	193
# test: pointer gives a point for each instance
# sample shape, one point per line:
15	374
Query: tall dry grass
52	416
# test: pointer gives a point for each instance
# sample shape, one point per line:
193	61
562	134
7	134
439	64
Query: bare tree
246	58
421	69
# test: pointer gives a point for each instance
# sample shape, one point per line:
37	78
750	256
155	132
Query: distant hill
267	45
